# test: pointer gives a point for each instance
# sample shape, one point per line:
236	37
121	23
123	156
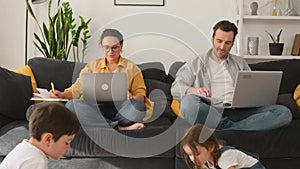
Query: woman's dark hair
192	139
112	32
226	26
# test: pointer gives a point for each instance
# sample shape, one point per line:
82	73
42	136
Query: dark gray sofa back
47	70
290	78
64	73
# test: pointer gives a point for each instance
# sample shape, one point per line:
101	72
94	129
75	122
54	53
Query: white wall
12	33
173	34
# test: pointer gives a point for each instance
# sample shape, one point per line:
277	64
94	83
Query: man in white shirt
213	75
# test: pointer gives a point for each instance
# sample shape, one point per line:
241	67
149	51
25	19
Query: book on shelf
296	46
44	95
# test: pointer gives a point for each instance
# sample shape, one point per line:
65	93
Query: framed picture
140	2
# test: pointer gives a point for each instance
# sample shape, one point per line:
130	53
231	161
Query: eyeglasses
112	48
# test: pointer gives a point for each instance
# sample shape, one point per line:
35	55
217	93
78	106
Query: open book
44	95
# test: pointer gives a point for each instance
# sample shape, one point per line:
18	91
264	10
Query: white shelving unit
255	26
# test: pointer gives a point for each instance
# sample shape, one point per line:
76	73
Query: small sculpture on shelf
254	7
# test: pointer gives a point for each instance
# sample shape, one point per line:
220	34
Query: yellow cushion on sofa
26	70
297	95
175	106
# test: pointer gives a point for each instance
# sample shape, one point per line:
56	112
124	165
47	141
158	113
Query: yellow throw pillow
297	95
175	106
26	70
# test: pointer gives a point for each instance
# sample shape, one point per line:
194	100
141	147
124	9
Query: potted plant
60	35
275	47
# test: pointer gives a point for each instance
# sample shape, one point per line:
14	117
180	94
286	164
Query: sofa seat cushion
84	146
12	134
108	142
15	94
279	143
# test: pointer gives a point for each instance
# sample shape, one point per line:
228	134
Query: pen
52	86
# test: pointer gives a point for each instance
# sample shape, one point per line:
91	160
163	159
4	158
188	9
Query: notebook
104	87
255	89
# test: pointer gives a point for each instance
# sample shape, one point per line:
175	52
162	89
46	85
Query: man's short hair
226	26
54	118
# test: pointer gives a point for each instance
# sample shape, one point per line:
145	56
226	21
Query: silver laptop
255	89
104	87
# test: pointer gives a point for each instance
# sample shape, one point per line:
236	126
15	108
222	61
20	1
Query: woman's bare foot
135	126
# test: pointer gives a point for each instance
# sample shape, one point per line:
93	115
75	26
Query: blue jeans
195	110
258	165
107	115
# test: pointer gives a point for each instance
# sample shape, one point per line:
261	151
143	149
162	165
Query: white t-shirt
235	157
222	85
25	156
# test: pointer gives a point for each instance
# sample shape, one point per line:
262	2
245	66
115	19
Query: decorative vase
276	48
253	45
275	10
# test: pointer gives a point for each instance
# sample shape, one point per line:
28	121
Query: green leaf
278	36
61	35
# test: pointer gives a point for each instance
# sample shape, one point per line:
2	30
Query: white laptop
104	87
255	89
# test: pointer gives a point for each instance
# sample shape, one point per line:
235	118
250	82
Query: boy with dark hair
52	127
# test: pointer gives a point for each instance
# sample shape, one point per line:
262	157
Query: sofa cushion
26	70
173	70
288	101
153	70
159	92
12	134
296	95
105	142
15	94
290	68
175	106
278	143
61	73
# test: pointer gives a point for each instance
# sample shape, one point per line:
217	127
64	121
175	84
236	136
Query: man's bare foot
135	126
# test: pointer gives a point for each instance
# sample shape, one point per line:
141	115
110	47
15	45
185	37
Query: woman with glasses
132	112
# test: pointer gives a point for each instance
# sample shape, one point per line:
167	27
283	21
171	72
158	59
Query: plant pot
276	48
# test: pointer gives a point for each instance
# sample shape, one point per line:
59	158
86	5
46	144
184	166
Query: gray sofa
279	148
118	146
156	146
